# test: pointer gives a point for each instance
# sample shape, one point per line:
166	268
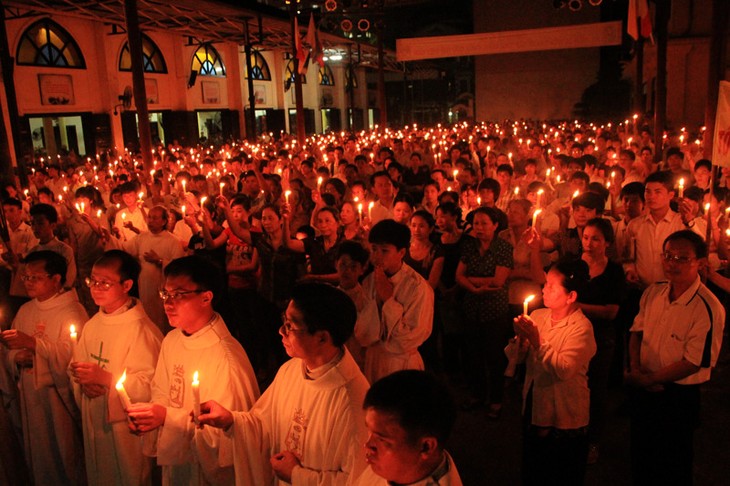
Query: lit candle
534	217
286	196
370	210
196	397
681	188
539	197
184	183
74	338
140	196
359	210
98	213
319	183
526	303
517	191
221	186
575	194
456	173
123	396
124	216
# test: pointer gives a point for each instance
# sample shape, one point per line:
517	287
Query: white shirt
688	328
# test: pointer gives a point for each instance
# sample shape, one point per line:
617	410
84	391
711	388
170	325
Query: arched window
350	78
45	43
259	67
326	78
207	62
289	73
153	61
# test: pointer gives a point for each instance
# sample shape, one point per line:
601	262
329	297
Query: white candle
196	397
359	210
370	210
526	303
221	186
539	197
319	183
681	188
534	217
123	396
286	196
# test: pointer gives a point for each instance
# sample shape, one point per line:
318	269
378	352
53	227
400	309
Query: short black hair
11	201
589	200
700	246
489	184
203	272
575	274
663	177
46	210
355	250
676	151
633	189
420	404
604	226
53	263
125	264
326	308
388	231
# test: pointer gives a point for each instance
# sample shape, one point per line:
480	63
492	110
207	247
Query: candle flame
120	383
529	298
195	379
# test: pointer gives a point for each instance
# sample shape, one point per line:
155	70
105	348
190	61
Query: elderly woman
558	345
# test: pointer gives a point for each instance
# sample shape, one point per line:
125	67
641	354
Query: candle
370	210
123	396
479	200
456	173
221	186
681	188
140	196
359	210
98	213
539	197
575	194
534	217
319	183
286	196
517	191
526	303
196	397
184	183
74	338
124	216
202	200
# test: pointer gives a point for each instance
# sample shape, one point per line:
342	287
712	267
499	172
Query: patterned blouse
492	305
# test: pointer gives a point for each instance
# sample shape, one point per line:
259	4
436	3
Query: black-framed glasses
177	295
669	258
286	326
92	283
34	278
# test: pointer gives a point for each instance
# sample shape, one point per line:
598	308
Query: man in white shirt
675	341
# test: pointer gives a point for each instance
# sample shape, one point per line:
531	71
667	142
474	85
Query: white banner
546	39
721	141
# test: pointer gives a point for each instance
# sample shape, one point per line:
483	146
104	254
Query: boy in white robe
39	350
119	339
409	416
308	427
404	301
199	343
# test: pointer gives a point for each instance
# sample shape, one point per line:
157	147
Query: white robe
137	219
117	342
226	376
321	421
406	320
151	277
51	431
451	478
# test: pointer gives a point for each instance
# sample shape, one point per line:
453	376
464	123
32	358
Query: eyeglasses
178	295
92	283
669	258
286	326
34	278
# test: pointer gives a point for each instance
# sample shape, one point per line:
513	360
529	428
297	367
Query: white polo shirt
690	327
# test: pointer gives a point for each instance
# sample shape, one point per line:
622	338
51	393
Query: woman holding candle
322	249
485	265
350	219
557	344
119	337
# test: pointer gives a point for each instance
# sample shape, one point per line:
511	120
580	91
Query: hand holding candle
681	188
74	338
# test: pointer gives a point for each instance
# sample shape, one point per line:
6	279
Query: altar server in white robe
119	339
37	351
409	416
308	427
199	343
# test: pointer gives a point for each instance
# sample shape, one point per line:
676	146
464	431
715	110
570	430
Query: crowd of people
559	256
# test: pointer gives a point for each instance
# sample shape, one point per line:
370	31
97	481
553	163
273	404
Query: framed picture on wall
259	92
211	92
56	89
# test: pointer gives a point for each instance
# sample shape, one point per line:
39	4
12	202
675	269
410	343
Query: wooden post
718	51
663	8
301	133
639	105
134	36
382	103
251	118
